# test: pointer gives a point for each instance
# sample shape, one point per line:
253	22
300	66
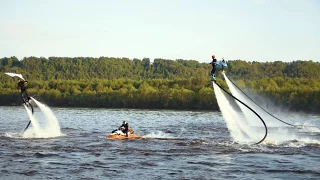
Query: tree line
163	84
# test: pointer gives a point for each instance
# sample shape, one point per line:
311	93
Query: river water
175	145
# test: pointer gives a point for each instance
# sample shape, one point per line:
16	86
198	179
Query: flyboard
15	75
26	100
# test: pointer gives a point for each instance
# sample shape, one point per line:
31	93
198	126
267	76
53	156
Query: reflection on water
176	145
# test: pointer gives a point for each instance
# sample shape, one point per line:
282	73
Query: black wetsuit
125	128
213	63
23	90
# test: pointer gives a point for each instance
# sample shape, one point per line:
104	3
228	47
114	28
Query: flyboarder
214	64
23	89
222	67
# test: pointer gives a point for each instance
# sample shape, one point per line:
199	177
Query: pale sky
251	30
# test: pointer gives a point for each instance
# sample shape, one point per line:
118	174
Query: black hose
29	104
27	126
265	126
31	107
266	110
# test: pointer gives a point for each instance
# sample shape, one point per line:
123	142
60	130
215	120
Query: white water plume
251	117
158	134
235	123
51	126
36	127
278	135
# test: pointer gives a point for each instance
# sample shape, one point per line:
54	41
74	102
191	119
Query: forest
109	82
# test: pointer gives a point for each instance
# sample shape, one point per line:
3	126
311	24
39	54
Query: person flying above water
23	89
222	67
214	64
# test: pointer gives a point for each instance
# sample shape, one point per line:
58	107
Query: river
175	145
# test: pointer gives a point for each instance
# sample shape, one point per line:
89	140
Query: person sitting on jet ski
124	127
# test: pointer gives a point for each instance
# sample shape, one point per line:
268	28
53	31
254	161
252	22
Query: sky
251	30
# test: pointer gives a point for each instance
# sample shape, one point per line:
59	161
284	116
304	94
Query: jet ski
118	134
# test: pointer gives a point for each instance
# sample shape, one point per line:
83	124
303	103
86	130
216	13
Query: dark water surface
176	145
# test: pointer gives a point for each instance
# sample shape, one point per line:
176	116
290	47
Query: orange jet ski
118	134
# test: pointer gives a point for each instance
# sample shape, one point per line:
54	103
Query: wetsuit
23	90
213	63
125	128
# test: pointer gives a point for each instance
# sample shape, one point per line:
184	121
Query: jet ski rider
124	127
